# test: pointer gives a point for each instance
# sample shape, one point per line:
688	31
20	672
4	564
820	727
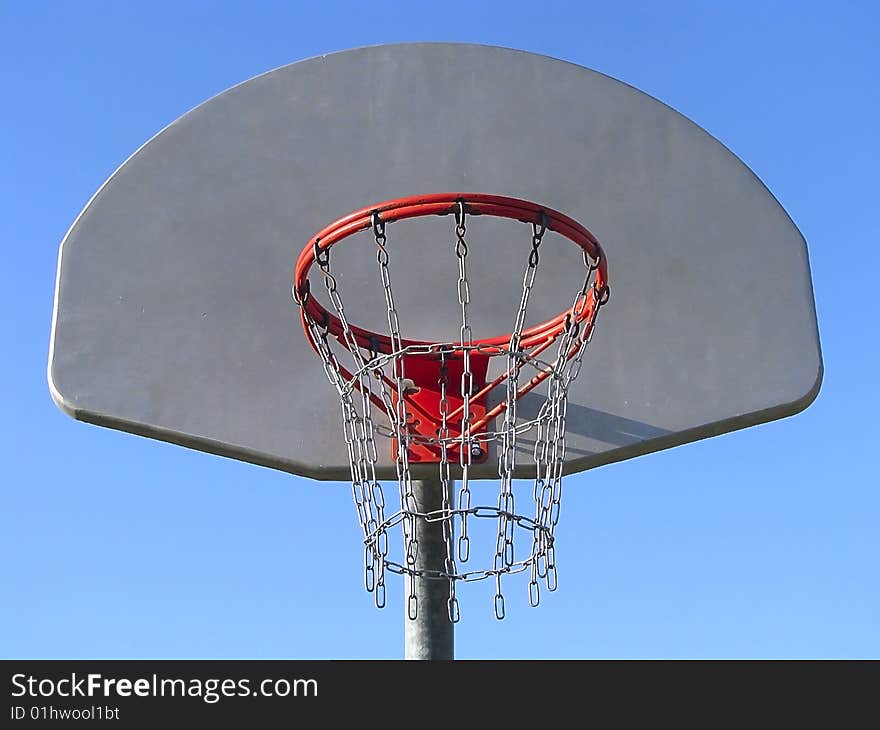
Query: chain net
373	389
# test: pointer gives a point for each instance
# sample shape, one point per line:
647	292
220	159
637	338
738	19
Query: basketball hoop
432	396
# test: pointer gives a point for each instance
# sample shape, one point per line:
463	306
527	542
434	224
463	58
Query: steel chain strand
547	445
377	500
381	537
453	608
400	417
466	341
484	512
469	576
369	456
362	422
541	452
573	369
332	370
551	495
557	393
361	487
504	547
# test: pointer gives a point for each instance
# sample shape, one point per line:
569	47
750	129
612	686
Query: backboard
173	316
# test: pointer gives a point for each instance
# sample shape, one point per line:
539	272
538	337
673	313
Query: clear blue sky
762	543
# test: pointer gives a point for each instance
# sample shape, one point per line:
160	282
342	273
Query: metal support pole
431	635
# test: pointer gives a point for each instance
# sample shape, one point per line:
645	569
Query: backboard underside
173	316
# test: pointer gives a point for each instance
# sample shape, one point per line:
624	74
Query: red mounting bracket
423	405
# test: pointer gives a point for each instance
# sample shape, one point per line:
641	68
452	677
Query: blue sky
761	543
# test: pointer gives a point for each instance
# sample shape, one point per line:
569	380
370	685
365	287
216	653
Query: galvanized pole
431	635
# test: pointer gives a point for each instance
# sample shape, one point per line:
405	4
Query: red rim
445	204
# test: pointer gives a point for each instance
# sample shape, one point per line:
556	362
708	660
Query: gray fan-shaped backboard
173	316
